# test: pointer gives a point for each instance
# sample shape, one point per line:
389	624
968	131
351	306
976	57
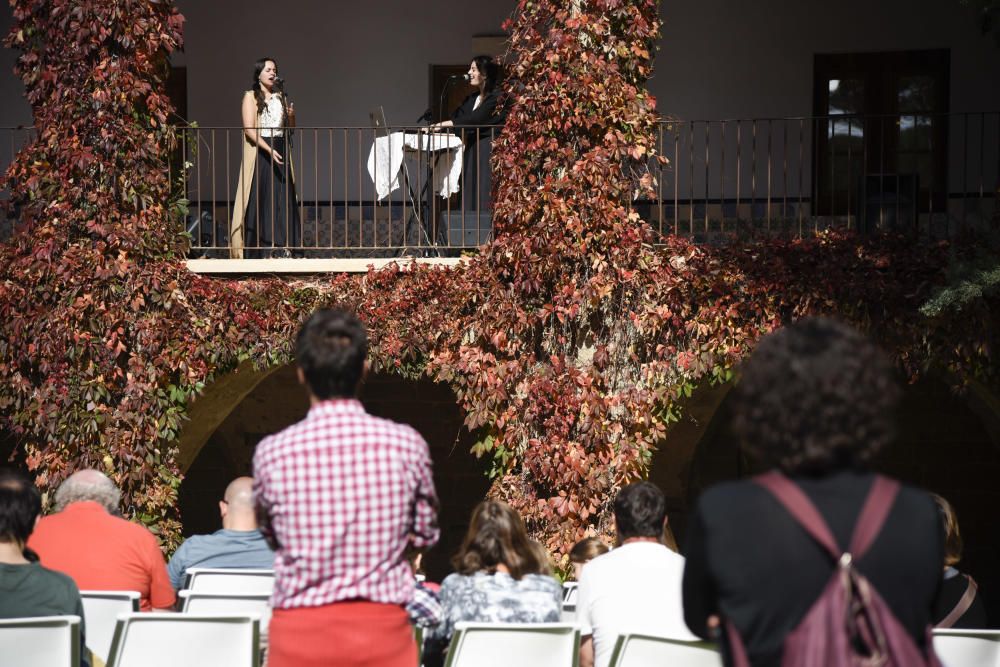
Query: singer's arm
249	113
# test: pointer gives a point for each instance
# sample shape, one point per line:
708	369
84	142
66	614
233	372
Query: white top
635	588
269	120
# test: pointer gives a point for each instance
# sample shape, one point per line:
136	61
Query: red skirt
343	634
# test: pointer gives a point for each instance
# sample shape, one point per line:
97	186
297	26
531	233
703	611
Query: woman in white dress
265	216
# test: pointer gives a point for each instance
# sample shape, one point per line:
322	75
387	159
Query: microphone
279	83
463	77
427	116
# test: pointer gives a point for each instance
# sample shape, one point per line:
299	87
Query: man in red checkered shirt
341	495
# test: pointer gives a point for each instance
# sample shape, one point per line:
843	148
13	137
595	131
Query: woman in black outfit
477	118
816	400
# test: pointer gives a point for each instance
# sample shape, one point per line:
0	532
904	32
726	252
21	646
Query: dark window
881	128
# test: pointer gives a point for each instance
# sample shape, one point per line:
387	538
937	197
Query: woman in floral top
500	576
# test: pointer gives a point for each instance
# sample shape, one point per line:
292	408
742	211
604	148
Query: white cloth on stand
444	151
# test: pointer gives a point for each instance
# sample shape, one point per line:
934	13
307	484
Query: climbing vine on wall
570	342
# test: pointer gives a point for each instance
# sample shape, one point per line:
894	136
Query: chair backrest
229	580
570	592
168	640
100	614
521	644
41	641
228	604
968	648
646	651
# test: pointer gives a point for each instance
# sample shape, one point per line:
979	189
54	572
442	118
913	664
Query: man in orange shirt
98	550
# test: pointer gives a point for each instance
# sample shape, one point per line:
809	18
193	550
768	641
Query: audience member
99	550
636	587
342	495
816	400
27	588
585	551
238	544
501	575
958	603
425	607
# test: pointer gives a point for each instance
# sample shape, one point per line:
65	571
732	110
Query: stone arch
237	411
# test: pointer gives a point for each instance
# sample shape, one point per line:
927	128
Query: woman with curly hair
816	402
501	575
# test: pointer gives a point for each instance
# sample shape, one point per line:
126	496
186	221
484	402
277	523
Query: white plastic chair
228	604
222	580
521	644
169	640
100	615
647	651
968	648
40	641
570	594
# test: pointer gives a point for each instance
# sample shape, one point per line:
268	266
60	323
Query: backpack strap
873	514
963	605
797	503
866	529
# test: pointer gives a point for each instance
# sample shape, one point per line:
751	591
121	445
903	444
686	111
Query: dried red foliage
570	342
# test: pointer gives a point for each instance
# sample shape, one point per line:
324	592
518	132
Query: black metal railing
377	192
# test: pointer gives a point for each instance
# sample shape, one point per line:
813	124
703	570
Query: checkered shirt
424	609
345	492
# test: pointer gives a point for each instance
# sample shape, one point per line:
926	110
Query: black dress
749	561
478	128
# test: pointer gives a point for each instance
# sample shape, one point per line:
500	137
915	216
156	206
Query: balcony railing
375	193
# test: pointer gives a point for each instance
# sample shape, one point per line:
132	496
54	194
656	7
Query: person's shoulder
918	505
542	582
133	530
725	496
58	580
456	581
397	432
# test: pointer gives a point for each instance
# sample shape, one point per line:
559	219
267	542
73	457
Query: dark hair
497	536
330	349
587	550
815	396
640	510
952	537
258	94
20	505
489	68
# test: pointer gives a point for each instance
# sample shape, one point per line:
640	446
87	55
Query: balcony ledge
287	266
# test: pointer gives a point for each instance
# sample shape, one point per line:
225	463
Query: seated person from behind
958	603
238	544
585	551
101	551
27	588
635	587
501	576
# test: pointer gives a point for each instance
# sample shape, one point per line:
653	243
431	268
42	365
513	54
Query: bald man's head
237	505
